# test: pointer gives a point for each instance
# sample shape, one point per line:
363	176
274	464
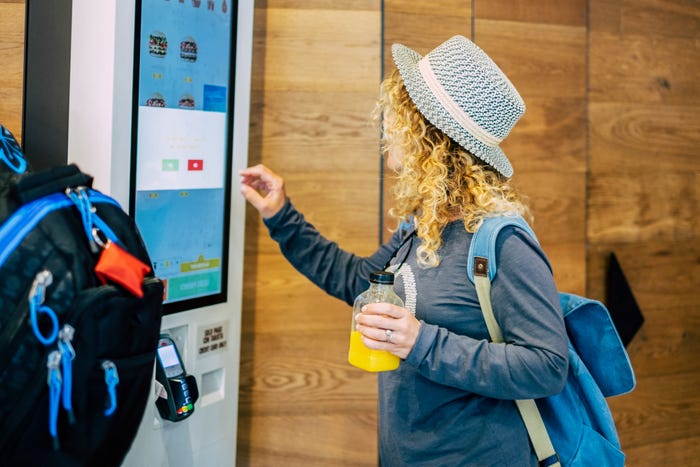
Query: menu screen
181	144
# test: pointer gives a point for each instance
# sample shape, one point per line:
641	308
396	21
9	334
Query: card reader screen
170	361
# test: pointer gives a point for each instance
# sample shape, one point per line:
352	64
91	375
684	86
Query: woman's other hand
388	327
263	189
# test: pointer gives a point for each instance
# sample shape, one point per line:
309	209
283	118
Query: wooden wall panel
422	26
644	68
644	102
635	136
570	12
12	59
548	146
307	441
659	418
671	18
668	296
548	137
655	206
557	200
316	71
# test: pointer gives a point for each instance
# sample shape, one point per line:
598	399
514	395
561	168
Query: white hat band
452	108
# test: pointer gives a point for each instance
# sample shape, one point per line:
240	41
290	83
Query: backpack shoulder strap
481	270
482	250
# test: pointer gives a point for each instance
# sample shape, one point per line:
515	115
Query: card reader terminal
181	388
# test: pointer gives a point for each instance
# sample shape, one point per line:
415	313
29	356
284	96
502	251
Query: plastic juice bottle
381	290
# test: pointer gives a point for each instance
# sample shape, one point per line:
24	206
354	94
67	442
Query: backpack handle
54	180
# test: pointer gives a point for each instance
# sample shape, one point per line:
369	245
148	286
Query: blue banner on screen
184	72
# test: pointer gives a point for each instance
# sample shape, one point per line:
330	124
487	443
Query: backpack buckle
551	461
481	266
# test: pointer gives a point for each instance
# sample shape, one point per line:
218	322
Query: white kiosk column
100	142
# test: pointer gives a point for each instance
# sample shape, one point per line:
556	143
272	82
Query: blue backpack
574	427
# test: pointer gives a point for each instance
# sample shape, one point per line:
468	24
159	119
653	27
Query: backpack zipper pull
54	381
37	294
111	380
80	198
65	337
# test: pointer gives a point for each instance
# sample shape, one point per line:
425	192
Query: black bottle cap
381	277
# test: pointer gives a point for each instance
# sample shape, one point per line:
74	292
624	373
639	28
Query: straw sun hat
460	90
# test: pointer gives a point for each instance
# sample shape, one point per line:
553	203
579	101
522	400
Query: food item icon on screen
188	49
186	102
156	100
157	44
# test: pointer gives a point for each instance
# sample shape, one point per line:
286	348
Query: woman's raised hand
263	189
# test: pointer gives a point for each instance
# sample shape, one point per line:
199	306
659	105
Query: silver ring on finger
389	333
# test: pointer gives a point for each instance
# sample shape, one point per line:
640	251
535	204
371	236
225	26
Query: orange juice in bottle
381	290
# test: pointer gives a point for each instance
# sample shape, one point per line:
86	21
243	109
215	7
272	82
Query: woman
450	402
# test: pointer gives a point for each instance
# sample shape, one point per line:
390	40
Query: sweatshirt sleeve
533	361
339	273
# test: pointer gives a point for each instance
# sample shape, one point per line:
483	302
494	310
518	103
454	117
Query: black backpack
80	313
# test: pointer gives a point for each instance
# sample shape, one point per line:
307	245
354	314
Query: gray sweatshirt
450	402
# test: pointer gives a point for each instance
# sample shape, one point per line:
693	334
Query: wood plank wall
541	46
643	198
607	152
12	59
420	26
316	69
552	53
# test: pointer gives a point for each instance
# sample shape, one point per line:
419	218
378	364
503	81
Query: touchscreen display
181	145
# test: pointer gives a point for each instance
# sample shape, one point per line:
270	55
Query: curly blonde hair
438	181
